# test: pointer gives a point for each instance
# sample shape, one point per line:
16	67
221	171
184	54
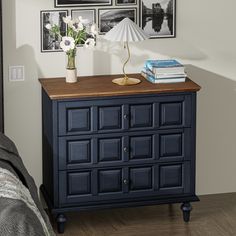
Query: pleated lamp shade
126	31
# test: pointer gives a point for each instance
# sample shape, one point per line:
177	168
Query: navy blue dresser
110	146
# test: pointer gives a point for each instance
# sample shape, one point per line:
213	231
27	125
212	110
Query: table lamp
126	31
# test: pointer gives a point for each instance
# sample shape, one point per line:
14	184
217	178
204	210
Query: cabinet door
160	179
160	112
83	186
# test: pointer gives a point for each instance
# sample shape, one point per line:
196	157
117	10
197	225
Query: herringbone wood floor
214	215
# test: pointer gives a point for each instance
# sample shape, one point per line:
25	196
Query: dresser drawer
91	117
118	115
123	182
114	149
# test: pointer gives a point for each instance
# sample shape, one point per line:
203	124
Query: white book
162	81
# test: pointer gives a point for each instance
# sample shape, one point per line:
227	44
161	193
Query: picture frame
49	41
82	3
158	20
107	17
125	2
88	14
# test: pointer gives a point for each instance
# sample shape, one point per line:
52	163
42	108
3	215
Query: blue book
163	63
164	67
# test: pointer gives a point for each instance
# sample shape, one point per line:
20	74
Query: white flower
67	43
48	26
83	21
93	30
89	43
68	20
77	25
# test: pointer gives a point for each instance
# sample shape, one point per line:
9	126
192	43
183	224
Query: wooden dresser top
102	86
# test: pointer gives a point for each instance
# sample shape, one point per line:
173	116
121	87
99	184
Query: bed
21	212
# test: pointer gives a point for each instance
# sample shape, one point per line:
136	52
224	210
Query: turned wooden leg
61	221
186	208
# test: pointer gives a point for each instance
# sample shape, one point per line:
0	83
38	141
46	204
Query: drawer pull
125	149
126	181
126	116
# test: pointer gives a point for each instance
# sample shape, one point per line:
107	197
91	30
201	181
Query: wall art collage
156	17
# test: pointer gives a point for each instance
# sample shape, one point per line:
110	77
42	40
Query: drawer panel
84	151
79	151
173	145
75	118
142	147
171	113
110	149
142	116
75	186
170	176
110	181
78	119
141	178
79	183
175	112
174	178
127	114
110	118
123	182
75	152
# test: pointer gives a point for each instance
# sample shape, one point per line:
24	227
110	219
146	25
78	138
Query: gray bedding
16	217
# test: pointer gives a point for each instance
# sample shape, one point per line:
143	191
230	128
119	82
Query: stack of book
164	71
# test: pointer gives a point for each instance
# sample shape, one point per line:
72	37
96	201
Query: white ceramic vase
71	75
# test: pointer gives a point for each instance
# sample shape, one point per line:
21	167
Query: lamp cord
126	45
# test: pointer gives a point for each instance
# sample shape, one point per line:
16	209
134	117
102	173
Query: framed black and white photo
157	18
50	42
82	3
125	2
108	18
88	16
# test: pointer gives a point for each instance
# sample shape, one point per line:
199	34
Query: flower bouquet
78	33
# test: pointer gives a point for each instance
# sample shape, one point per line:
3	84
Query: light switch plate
16	73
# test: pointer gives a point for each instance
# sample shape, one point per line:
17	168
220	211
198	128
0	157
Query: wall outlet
16	73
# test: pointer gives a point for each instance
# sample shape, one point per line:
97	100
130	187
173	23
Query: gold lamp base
126	81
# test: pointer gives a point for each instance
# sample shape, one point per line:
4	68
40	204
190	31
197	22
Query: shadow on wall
22	119
216	132
101	63
22	92
104	52
174	47
141	51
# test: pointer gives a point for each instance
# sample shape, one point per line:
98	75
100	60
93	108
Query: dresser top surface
102	86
